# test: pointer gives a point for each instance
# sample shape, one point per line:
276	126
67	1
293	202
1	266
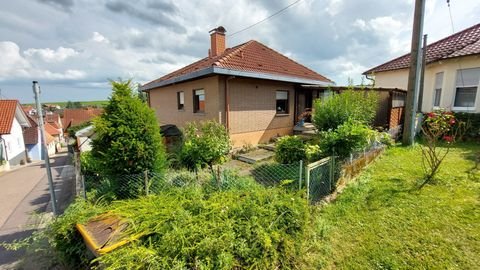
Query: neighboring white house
12	121
452	73
33	140
84	138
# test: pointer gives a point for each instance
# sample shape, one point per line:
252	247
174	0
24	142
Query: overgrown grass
384	222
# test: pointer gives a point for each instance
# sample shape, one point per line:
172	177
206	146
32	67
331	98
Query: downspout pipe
370	79
227	101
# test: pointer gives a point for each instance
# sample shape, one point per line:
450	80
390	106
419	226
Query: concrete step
269	147
256	156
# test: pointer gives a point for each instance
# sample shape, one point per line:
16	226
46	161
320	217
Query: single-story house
250	88
452	72
33	140
12	121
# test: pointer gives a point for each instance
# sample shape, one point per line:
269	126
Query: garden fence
318	179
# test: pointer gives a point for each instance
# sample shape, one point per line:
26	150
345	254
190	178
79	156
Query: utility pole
422	73
414	75
36	91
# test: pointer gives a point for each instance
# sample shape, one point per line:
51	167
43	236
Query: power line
267	18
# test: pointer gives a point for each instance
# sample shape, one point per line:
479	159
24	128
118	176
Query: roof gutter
232	72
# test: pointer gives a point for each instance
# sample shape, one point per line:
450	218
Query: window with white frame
437	91
466	88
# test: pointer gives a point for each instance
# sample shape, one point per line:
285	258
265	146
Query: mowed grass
384	222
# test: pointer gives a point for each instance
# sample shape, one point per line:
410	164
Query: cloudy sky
72	47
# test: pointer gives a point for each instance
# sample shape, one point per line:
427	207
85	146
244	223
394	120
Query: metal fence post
146	181
84	189
332	164
300	175
308	184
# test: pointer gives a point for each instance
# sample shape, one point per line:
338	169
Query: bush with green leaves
289	149
89	165
234	229
127	136
337	109
313	152
205	144
345	139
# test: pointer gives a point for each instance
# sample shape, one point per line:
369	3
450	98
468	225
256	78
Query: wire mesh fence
318	179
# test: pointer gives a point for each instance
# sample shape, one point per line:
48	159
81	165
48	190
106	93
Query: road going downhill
24	195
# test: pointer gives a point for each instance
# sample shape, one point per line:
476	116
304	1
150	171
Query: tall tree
127	139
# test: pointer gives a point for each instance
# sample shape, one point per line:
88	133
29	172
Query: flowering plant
438	126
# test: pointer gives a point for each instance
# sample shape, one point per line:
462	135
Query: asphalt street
25	199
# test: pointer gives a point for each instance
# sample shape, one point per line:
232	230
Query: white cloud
15	66
51	56
97	37
361	24
334	7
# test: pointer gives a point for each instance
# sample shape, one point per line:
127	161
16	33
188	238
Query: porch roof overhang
356	88
232	72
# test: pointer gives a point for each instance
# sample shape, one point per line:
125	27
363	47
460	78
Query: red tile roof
75	117
463	43
51	129
30	135
7	114
251	56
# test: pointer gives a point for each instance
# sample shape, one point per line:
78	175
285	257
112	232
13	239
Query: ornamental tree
127	136
438	129
205	144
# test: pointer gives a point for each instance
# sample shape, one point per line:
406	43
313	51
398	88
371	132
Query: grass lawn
383	222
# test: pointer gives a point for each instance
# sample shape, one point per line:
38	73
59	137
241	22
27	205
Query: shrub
234	229
347	138
89	165
437	126
313	152
205	144
335	110
471	125
127	136
289	149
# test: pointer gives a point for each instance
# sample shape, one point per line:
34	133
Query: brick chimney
217	41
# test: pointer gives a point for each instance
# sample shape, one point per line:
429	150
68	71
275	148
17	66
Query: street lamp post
36	91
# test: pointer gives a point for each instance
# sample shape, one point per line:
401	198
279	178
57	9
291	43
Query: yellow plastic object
105	233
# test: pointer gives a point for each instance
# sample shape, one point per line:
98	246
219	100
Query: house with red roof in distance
33	140
452	72
76	117
29	109
12	122
250	88
54	120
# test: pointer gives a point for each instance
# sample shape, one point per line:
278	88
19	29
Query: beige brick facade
252	111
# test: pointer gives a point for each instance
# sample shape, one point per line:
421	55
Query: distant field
98	103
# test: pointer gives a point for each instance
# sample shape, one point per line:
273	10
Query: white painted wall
14	141
399	79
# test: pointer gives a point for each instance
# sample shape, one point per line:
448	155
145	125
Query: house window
282	102
180	100
199	101
466	88
437	92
